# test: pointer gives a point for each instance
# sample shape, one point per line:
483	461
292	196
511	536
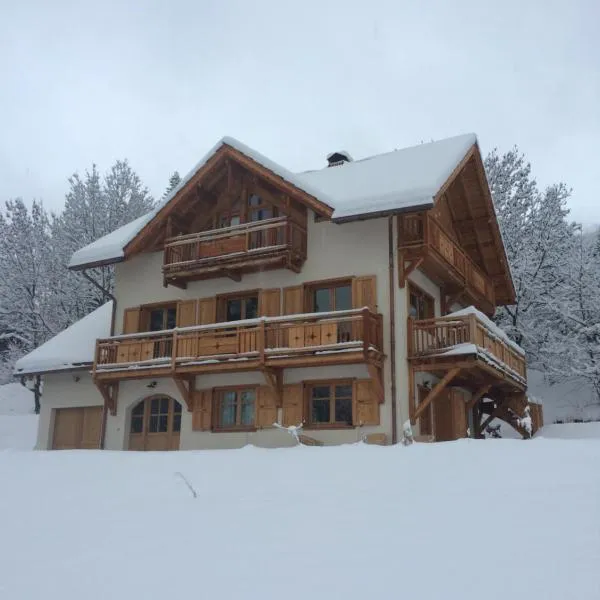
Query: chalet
353	300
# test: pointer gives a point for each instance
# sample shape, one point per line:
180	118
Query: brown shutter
293	405
266	409
207	311
202	415
365	404
293	300
131	320
186	313
269	302
364	292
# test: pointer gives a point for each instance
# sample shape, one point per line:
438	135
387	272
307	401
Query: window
238	307
158	318
420	304
152	416
236	408
330	297
333	296
330	404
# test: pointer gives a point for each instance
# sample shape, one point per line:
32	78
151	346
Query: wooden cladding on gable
272	302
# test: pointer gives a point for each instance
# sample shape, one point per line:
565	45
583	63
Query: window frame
223	299
418	291
218	394
174	408
332	383
331	284
146	311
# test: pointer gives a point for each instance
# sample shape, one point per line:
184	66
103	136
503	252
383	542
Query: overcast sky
160	82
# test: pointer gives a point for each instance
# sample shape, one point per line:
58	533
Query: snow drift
490	519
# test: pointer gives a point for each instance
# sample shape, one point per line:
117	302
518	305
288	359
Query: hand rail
434	336
266	336
420	229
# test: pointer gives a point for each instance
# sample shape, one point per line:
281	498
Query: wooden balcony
465	341
422	242
316	339
231	251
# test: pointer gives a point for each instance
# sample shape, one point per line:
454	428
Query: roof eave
99	263
71	369
382	213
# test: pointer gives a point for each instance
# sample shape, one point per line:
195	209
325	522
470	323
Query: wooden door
155	424
449	414
77	428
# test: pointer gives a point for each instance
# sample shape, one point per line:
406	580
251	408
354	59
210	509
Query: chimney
338	158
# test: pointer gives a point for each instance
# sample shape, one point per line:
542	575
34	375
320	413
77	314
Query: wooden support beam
478	395
233	275
435	392
405	271
495	412
109	392
179	283
376	374
186	389
274	379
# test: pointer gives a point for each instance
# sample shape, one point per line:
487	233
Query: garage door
76	428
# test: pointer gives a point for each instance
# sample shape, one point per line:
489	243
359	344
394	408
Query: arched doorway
155	424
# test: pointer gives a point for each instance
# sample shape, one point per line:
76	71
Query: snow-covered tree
174	181
538	239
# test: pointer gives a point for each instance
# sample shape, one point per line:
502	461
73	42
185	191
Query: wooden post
410	337
174	352
435	392
365	314
472	329
262	335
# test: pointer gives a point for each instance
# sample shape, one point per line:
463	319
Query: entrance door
77	428
449	414
155	424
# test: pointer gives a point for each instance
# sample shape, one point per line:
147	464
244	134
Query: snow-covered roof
74	347
401	179
398	180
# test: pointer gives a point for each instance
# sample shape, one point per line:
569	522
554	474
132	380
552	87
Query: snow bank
16	399
73	347
348	522
406	178
571	431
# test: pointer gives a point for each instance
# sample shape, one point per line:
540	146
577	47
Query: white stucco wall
334	251
63	390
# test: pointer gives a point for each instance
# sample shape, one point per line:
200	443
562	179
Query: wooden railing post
365	314
262	341
409	335
472	329
174	351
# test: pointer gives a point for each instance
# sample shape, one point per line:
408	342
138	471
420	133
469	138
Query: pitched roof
399	180
70	349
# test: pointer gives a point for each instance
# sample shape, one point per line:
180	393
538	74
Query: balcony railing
231	244
457	336
421	229
268	341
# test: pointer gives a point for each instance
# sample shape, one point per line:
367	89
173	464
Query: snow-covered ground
492	519
18	423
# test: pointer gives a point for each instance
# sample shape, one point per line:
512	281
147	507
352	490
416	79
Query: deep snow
492	519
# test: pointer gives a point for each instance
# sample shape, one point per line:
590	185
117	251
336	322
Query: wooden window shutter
293	404
365	404
207	311
364	292
269	302
131	320
293	300
266	408
186	313
202	414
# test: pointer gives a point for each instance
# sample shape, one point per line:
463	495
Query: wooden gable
222	180
465	209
